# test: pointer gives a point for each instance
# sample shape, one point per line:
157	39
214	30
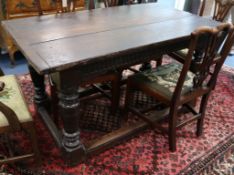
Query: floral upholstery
12	97
164	79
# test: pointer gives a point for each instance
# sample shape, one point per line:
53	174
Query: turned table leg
74	150
40	96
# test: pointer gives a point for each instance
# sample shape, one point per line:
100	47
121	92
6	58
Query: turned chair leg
200	121
30	129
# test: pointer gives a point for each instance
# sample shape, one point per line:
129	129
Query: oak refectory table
84	44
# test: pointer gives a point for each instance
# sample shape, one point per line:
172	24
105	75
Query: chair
96	84
15	117
221	10
174	85
110	3
72	5
113	77
202	7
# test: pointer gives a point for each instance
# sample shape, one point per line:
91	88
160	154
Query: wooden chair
220	12
221	9
202	7
113	77
175	85
72	5
111	3
15	117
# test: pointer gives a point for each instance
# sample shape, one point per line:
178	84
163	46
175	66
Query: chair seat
12	97
182	53
96	80
163	80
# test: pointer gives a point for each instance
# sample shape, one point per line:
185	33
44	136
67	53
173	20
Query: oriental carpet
147	152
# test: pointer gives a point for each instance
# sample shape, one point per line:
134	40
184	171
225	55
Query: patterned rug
146	153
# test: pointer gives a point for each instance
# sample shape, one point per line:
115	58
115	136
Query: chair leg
30	129
159	61
128	99
115	90
172	130
200	121
145	66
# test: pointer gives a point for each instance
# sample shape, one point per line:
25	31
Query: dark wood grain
83	45
42	39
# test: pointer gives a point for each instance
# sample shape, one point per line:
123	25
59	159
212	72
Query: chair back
221	10
111	3
202	7
70	6
214	47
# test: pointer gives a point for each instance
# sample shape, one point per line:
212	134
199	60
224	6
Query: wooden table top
57	42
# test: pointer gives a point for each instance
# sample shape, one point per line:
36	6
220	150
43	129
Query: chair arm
11	117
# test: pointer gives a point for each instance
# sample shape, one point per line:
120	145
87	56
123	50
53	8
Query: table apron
118	62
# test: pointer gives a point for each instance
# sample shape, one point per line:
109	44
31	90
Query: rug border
201	163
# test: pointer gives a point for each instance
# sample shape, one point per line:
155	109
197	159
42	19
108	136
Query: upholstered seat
180	56
182	53
11	96
221	10
15	117
164	79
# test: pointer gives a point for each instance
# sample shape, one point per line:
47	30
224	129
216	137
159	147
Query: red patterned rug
147	153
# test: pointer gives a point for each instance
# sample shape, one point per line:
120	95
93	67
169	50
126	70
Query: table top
58	42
